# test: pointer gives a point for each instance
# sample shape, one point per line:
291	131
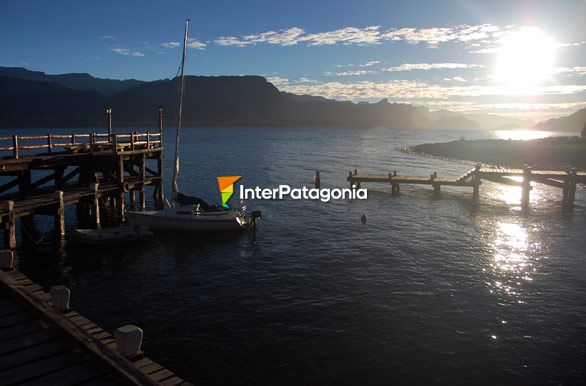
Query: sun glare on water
525	58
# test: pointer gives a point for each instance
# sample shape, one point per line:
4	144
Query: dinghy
121	234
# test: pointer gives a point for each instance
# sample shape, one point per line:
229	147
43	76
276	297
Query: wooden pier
95	171
566	180
41	344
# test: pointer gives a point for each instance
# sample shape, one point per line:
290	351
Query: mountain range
35	99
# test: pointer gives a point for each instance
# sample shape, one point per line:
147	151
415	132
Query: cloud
368	64
430	66
107	37
455	79
171	44
305	79
479	38
295	35
127	52
192	43
278	81
349	35
231	41
351	73
286	37
413	90
580	71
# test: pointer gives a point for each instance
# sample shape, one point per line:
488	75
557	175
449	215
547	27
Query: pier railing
78	141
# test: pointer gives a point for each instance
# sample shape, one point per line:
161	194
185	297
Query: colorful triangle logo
226	185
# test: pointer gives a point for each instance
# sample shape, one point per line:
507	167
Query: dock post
351	180
436	189
121	189
60	215
476	182
109	122
526	187
128	340
571	194
6	259
60	296
317	180
142	194
9	226
96	204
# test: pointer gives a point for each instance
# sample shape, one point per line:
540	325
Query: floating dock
94	171
567	180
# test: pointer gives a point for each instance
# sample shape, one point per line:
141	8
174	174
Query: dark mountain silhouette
573	122
27	103
209	101
79	81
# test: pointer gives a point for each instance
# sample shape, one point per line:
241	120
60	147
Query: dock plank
26	341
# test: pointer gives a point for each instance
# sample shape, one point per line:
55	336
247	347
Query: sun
526	58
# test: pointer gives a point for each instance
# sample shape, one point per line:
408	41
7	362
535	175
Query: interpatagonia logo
226	185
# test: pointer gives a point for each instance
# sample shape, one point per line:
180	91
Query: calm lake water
430	290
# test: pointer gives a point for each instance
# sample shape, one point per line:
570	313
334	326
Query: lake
431	290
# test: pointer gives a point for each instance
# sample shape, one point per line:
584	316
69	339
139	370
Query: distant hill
84	82
27	103
35	99
573	122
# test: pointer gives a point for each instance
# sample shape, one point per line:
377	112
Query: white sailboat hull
185	220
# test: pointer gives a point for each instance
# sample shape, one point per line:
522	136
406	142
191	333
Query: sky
519	58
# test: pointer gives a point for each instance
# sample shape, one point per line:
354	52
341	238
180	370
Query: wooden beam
9	226
526	187
60	215
9	185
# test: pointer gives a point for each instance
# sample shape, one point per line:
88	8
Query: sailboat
188	213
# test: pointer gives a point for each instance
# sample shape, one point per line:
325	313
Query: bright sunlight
526	58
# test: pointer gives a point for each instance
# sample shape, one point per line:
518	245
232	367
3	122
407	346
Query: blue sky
441	54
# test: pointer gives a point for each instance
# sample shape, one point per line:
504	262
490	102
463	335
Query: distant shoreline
544	153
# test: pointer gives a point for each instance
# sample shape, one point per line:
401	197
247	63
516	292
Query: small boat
187	213
110	235
189	218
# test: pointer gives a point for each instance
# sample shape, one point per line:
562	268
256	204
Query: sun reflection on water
513	263
522	134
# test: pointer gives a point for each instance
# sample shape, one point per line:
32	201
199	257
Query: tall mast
180	112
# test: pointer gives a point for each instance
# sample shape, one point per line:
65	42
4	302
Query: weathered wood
571	189
9	226
96	204
60	215
526	187
142	195
476	182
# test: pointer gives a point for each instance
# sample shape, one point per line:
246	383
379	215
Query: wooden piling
60	215
526	187
571	194
9	226
121	189
142	195
317	180
109	121
476	182
96	205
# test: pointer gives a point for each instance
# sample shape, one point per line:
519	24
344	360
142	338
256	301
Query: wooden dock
95	171
41	345
567	180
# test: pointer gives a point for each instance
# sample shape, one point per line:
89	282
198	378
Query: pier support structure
526	187
476	181
83	169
